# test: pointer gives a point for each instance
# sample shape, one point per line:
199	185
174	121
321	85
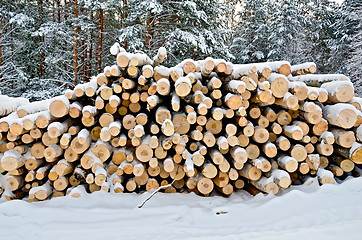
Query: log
102	150
288	163
239	154
313	161
313	93
15	182
250	172
316	80
281	177
236	86
261	135
304	68
209	139
254	112
90	88
27	138
312	117
27	108
168	128
82	142
220	65
79	90
337	171
293	132
43	119
181	125
56	129
105	119
278	84
266	185
209	170
298	152
308	106
282	67
59	106
233	101
342	138
355	101
263	122
244	69
63	168
144	152
41	192
345	164
325	149
52	152
320	127
325	176
183	86
61	183
12	160
205	186
253	151
47	141
221	180
216	157
163	87
102	79
31	163
261	163
299	89
162	114
283	118
276	128
270	149
339	91
355	153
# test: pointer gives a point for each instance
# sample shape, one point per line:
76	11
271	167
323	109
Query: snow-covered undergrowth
302	212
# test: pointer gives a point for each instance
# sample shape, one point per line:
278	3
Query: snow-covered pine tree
231	13
353	23
251	35
102	30
15	46
320	28
355	62
287	34
188	29
55	35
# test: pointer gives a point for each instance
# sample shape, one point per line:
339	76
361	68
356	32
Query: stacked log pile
202	126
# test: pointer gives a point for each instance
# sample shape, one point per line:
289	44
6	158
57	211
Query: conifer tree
188	29
251	35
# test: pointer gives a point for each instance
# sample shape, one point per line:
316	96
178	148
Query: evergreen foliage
49	45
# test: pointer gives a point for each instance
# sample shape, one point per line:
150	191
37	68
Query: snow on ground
302	212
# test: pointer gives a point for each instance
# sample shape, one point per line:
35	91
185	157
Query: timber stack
206	126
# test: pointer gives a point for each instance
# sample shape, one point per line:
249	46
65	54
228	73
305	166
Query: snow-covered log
341	115
316	80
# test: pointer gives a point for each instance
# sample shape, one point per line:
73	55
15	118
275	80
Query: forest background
47	46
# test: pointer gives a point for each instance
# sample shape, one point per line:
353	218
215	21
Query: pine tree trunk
84	53
100	46
41	38
125	15
148	32
90	56
1	56
252	36
58	11
75	46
